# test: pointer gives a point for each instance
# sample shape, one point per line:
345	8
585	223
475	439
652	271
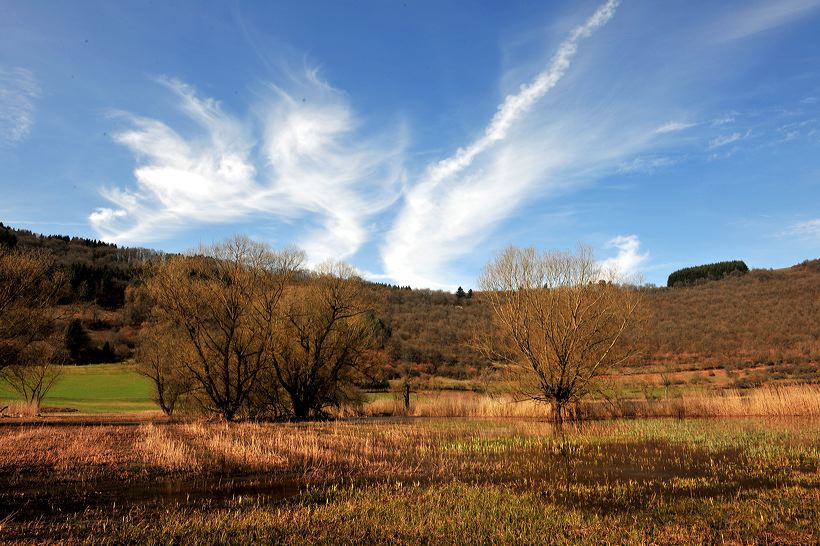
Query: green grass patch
97	388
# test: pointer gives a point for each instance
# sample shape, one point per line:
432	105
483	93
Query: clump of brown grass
789	401
20	408
244	447
67	454
160	449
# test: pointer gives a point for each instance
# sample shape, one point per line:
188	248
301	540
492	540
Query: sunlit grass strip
787	401
161	450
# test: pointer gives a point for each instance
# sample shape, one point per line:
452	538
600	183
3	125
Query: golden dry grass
787	401
158	448
19	408
457	404
342	450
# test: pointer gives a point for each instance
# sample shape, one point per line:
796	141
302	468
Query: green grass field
97	388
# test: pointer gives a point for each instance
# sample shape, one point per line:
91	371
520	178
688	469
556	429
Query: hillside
97	272
766	322
68	250
767	318
431	330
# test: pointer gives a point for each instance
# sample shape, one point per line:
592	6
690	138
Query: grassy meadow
96	388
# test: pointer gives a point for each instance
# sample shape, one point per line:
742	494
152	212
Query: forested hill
97	272
764	318
69	250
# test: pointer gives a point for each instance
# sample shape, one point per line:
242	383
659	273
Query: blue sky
416	139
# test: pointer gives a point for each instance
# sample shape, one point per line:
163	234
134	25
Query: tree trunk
407	396
558	415
300	408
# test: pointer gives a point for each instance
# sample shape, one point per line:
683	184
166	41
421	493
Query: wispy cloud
809	228
723	120
459	198
514	106
761	16
303	156
647	164
725	140
629	259
673	127
309	160
19	90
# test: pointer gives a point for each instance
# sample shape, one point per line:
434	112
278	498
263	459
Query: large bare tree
327	326
559	321
224	302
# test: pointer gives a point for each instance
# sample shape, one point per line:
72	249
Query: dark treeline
707	272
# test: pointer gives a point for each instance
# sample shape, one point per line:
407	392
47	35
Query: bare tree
559	321
162	359
29	286
326	329
35	372
224	301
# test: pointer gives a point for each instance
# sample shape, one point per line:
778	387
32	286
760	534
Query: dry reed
158	448
788	401
20	408
457	405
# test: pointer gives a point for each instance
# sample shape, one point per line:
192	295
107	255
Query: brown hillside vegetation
767	322
768	317
430	331
68	250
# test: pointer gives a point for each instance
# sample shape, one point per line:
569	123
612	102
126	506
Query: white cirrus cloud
674	127
303	155
723	120
19	90
647	165
760	16
529	149
809	228
725	140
